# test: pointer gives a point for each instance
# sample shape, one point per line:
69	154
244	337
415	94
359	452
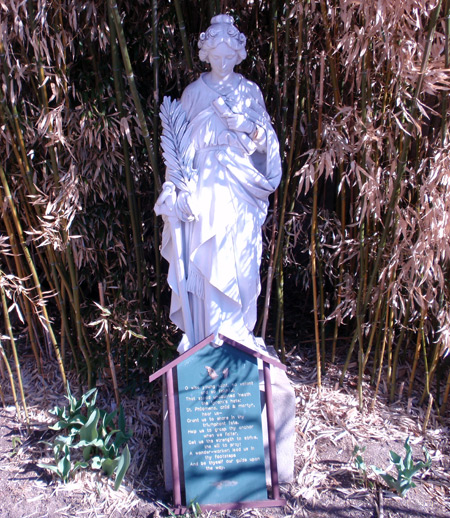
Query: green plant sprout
360	465
91	431
406	469
16	444
359	461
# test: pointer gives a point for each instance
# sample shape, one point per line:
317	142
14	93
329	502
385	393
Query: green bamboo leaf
122	467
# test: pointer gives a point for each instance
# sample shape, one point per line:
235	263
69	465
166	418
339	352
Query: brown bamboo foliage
357	235
14	350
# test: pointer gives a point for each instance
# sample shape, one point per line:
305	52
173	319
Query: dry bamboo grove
357	242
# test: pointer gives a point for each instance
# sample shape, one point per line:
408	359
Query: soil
327	482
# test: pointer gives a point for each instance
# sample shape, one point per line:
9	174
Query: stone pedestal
284	417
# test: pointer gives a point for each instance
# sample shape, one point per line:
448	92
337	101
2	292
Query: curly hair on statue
222	30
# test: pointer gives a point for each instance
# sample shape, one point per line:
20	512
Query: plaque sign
221	430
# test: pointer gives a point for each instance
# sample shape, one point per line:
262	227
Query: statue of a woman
236	158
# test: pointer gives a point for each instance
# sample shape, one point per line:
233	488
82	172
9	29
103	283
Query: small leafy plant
89	435
359	461
406	469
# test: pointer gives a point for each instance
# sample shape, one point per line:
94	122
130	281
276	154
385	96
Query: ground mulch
327	483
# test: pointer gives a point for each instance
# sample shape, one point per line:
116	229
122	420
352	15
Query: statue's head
222	30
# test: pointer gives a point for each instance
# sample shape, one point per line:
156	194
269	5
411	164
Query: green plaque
221	430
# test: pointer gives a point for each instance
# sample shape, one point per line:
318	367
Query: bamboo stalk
43	93
33	271
405	143
401	167
284	96
155	65
26	171
270	269
213	8
362	357
397	351
144	131
275	252
427	414
279	335
21	273
372	333
445	397
108	348
379	338
14	350
380	367
11	380
55	170
338	102
276	66
77	310
314	229
13	119
420	339
184	39
134	92
444	133
2	396
322	311
434	364
330	54
131	190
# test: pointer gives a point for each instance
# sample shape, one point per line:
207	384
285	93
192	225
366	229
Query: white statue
223	162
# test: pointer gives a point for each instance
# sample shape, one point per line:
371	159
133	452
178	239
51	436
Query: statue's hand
166	200
185	207
239	122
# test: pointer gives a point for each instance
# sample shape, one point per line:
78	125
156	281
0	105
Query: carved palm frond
178	151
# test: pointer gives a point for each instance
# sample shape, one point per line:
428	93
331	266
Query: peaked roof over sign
251	352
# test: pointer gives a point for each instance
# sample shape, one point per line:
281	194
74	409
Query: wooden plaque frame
167	371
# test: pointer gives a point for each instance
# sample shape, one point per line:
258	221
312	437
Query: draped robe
222	247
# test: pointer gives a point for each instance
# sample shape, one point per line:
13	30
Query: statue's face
222	60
